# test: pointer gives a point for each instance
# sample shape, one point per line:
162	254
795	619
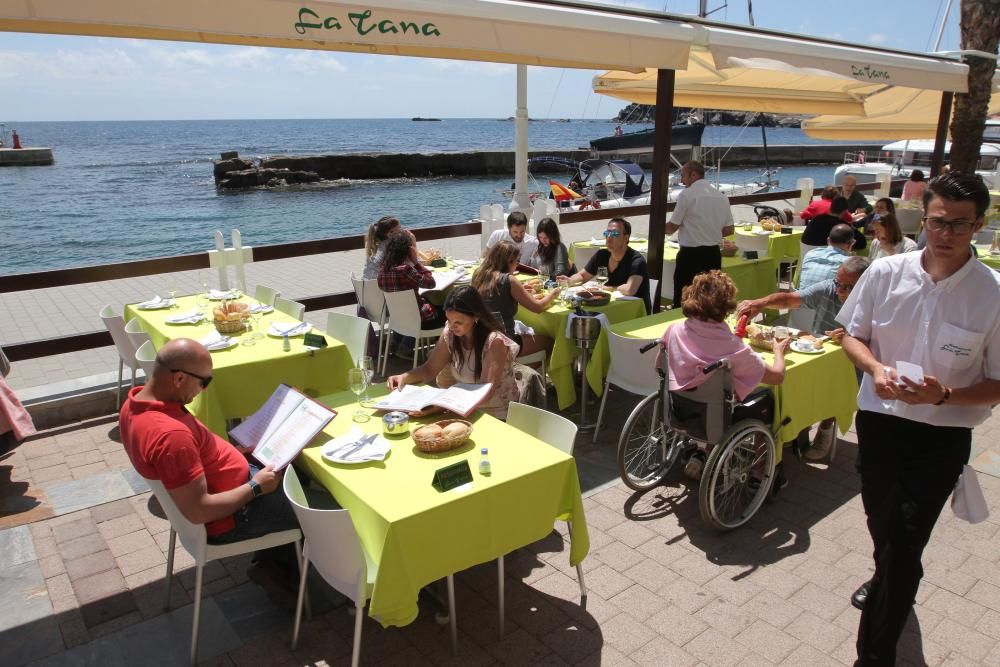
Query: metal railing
88	274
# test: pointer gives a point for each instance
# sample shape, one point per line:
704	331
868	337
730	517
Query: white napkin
187	317
596	242
967	501
289	328
218	295
569	322
522	329
155	302
673	244
464	262
356	447
260	308
624	297
216	341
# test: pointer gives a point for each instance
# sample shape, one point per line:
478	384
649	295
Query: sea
129	190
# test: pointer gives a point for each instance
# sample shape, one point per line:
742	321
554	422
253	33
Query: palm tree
980	27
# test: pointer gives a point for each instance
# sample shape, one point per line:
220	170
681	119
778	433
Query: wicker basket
430	444
228	326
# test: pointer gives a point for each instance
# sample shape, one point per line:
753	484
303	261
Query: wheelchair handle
648	346
715	365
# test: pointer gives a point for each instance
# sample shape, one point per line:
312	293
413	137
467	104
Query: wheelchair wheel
647	448
738	475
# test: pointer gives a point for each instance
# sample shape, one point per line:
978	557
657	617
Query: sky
48	77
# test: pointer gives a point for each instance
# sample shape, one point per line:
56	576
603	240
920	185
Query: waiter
702	217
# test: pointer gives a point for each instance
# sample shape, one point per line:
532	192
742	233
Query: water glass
602	275
365	363
172	291
357	380
248	337
257	333
543	278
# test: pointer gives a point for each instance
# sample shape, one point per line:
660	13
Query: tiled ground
82	564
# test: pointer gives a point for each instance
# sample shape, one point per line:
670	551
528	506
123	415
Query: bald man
208	478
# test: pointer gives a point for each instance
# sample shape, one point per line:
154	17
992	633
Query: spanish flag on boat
561	193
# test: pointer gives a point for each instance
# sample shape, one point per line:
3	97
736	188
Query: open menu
282	427
460	398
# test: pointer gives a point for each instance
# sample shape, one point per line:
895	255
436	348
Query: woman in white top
375	242
889	239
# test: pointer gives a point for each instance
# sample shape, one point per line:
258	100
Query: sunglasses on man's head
205	381
612	234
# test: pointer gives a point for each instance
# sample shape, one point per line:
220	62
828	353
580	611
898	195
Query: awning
503	31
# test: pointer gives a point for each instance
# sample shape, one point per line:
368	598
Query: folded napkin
187	317
624	297
967	501
600	317
260	308
216	341
289	328
155	302
217	295
522	329
464	262
356	447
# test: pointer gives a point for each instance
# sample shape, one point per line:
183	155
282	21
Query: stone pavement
82	565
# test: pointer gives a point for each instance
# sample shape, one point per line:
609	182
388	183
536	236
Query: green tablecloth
992	261
816	386
245	376
552	322
418	535
778	245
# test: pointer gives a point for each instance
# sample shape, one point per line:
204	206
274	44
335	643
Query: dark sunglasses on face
205	381
956	226
837	285
612	234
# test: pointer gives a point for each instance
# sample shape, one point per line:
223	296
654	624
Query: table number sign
452	476
316	341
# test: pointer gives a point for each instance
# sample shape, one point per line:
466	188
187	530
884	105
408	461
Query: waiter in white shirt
701	218
940	310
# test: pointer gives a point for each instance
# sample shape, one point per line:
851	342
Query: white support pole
521	199
241	278
220	247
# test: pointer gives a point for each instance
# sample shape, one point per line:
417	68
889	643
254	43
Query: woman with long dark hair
474	347
401	270
550	256
375	243
889	239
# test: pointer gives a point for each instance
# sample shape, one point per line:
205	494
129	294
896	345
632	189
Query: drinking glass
543	277
365	363
357	379
172	291
602	275
257	333
248	337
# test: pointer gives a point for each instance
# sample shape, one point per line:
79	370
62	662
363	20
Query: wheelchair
735	437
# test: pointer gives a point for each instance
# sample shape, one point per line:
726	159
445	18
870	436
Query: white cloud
89	64
248	57
181	58
486	69
309	62
877	38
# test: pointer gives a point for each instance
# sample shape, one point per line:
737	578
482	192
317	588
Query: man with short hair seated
821	264
626	267
826	298
516	233
209	479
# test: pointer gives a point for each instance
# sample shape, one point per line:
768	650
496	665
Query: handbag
967	501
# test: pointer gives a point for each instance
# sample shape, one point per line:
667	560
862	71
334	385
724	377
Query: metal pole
941	136
662	124
521	142
767	163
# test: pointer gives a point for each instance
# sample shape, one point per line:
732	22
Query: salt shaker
286	345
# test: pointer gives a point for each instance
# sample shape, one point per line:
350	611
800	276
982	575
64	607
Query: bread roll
431	431
454	430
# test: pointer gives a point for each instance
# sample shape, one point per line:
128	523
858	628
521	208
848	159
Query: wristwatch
255	487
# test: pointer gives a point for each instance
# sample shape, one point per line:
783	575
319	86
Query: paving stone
807	655
572	643
985	594
94	489
725	617
143	559
84	458
28	630
965	611
630	533
618	556
131	542
72	527
85	472
116	622
608	583
817	632
74	632
624	634
121	525
968	642
41	462
716	649
676	625
661	651
775	611
51	566
81	546
54	475
85	566
823	603
16	546
767	640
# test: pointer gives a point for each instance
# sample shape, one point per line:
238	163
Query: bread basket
228	326
431	443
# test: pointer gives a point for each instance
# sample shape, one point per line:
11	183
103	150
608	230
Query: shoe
694	466
861	595
823	445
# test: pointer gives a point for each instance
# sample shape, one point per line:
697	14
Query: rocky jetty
235	173
645	113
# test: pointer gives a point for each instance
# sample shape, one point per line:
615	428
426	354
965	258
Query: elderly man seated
826	298
821	264
208	478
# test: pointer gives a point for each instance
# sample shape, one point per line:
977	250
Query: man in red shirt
208	478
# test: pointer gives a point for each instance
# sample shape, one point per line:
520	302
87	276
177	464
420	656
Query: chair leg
500	592
416	350
170	566
199	576
121	374
452	612
304	569
600	413
359	616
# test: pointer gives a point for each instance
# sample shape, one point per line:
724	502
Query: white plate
260	309
218	347
277	334
179	319
220	296
344	449
159	305
762	232
798	348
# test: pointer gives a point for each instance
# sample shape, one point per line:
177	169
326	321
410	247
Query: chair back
350	330
145	356
909	220
265	294
404	312
115	324
705	412
544	425
192	535
653	282
137	336
582	254
370	297
290	308
785	277
4	364
332	543
804	249
629	368
803	319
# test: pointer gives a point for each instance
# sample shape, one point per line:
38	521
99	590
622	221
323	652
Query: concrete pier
26	157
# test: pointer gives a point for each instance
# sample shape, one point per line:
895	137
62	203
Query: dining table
416	534
983	252
816	385
244	376
778	244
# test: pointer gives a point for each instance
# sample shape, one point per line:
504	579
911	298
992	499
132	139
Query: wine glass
357	379
248	338
543	277
602	275
172	291
257	333
365	363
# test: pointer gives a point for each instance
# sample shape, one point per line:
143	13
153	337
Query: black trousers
908	470
692	260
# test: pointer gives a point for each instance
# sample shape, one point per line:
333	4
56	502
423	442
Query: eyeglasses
612	234
205	381
956	226
847	287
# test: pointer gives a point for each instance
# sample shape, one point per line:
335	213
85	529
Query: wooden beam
662	126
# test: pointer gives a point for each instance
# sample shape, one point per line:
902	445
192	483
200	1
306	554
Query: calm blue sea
127	190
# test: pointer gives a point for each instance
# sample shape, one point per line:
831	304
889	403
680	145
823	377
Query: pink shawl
13	416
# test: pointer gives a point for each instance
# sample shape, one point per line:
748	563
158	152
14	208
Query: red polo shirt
167	443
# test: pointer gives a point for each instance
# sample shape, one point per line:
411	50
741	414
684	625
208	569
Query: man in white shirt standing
516	233
938	309
701	218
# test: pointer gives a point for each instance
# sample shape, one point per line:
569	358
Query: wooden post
944	117
662	125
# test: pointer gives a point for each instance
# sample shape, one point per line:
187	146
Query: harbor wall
25	157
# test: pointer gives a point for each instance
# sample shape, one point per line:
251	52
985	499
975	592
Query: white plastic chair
115	324
145	356
372	299
195	540
350	330
582	255
404	319
629	370
909	220
5	366
265	294
136	335
290	308
653	282
557	431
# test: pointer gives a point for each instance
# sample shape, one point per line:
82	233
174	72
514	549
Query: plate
216	295
158	305
218	347
802	350
343	450
185	318
762	232
260	309
275	334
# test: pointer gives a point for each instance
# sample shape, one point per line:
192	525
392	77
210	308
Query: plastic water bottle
484	462
286	345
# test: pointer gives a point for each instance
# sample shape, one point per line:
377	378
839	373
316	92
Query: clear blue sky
82	78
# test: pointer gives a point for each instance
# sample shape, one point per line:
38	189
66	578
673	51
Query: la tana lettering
363	23
869	73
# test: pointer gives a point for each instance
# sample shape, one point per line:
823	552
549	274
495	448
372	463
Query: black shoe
861	595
